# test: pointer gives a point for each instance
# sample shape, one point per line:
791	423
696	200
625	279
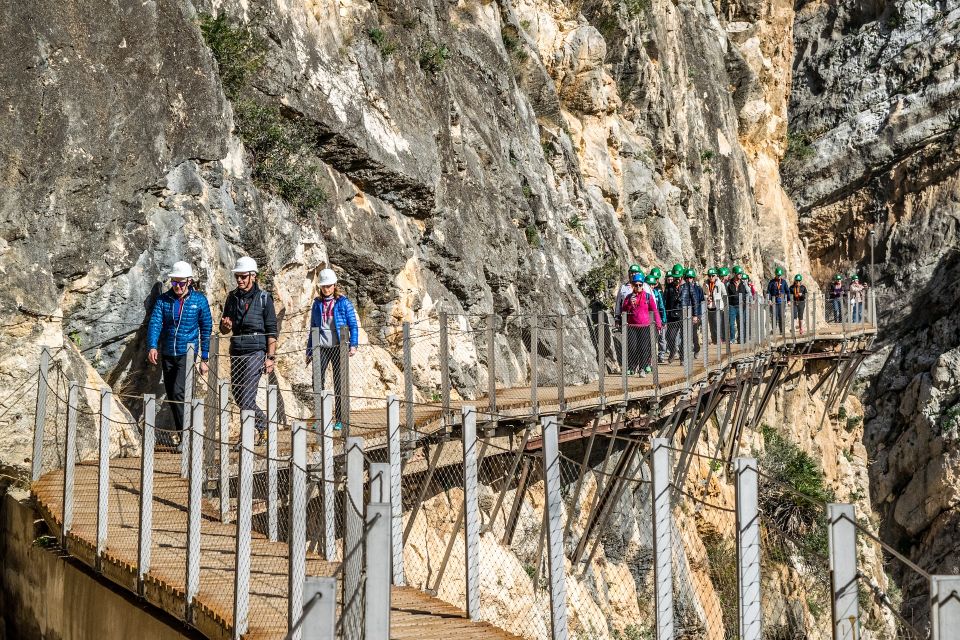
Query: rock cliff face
875	111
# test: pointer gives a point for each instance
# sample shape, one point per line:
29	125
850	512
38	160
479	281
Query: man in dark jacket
736	288
180	318
671	298
691	295
250	315
779	293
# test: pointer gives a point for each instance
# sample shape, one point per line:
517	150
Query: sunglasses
179	283
243	276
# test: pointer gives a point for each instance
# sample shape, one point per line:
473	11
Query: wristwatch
271	357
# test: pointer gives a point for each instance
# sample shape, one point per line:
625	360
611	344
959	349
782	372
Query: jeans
713	316
778	310
674	338
857	308
837	310
330	357
734	315
174	381
245	372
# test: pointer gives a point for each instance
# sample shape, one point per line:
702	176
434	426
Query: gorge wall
486	156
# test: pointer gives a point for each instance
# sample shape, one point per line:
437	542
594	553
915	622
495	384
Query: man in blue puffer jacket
331	313
180	317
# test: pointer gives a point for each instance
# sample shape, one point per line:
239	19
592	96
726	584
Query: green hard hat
746	276
838	277
690	273
651	279
724	272
711	272
798	277
854	277
778	271
738	270
635	268
677	267
656	273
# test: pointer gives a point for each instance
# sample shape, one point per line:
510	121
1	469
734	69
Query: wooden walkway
414	614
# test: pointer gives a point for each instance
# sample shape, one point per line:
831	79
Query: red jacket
639	308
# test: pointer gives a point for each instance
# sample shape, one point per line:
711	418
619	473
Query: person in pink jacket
639	309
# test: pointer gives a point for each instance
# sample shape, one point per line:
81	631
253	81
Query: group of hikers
643	301
181	318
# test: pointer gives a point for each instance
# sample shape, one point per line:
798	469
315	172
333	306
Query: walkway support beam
842	544
748	548
554	505
662	539
39	416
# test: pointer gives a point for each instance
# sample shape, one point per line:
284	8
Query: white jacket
715	301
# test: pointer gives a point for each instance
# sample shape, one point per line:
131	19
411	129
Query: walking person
250	315
857	290
653	280
835	295
671	297
799	294
735	289
779	294
180	318
691	295
640	311
331	312
714	292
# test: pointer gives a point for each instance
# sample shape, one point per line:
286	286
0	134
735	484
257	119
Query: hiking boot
647	369
338	426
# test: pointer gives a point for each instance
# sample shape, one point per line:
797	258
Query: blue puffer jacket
180	327
344	315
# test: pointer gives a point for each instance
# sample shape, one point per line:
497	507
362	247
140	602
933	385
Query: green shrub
636	7
599	283
379	38
533	236
284	162
722	567
433	56
574	223
799	146
801	519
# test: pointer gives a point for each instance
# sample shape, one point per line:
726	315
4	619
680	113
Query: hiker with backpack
249	314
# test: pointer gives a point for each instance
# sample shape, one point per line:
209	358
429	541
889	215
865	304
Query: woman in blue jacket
331	312
180	317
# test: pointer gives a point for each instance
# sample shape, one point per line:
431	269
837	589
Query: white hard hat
327	277
181	269
246	264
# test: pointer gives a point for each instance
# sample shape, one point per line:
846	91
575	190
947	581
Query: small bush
533	236
379	38
433	56
799	146
574	223
636	7
598	284
238	51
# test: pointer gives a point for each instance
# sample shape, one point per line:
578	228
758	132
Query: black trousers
330	357
174	381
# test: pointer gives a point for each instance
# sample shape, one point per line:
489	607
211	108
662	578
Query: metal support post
103	474
69	460
316	374
471	512
602	357
272	466
408	382
396	501
844	310
353	552
534	365
445	369
554	506
741	300
241	580
39	417
319	614
793	325
748	548
146	489
625	356
344	386
842	544
944	607
185	432
561	367
223	444
662	539
815	319
491	366
655	359
377	581
723	322
687	338
705	337
327	489
297	536
211	423
194	495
